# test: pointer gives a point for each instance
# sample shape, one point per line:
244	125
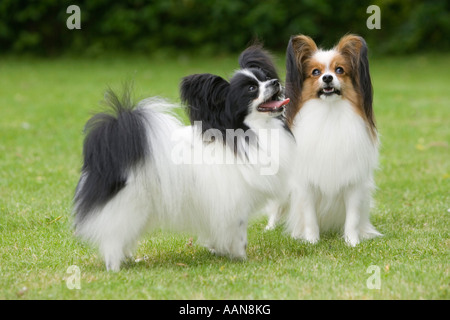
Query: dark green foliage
214	26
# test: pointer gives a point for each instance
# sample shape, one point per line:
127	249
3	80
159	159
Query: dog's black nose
274	82
327	78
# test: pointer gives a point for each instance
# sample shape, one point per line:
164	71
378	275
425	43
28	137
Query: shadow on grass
168	251
175	252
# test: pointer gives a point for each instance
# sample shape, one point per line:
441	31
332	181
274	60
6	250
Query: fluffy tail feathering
114	143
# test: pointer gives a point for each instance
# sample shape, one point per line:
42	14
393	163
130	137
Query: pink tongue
274	104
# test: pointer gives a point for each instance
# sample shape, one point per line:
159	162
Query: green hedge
39	27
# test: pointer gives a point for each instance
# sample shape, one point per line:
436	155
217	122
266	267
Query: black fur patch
114	143
205	95
218	104
294	82
366	89
256	57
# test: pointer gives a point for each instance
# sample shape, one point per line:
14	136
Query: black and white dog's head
253	92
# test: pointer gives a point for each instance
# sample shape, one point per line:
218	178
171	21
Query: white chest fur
335	149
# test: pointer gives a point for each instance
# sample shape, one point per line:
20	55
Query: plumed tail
115	141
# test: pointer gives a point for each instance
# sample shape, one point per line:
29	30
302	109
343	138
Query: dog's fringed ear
256	57
205	95
299	49
355	49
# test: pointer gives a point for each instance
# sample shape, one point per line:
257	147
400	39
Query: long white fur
213	201
334	169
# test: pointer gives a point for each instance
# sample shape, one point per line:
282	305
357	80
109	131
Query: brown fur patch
353	48
303	48
347	89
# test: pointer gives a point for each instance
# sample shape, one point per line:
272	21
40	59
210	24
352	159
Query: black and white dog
143	169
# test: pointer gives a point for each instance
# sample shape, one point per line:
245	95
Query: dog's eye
315	72
339	70
251	88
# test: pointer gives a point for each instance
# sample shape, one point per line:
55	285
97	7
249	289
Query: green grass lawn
44	105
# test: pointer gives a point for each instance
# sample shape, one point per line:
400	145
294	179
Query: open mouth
328	91
274	104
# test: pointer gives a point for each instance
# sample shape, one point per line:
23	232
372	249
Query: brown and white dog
332	119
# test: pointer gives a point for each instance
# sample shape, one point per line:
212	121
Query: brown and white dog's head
339	73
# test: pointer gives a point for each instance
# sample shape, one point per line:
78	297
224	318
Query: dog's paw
312	239
310	235
352	238
112	265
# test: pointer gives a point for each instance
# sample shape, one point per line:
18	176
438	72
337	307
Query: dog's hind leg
238	248
117	226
